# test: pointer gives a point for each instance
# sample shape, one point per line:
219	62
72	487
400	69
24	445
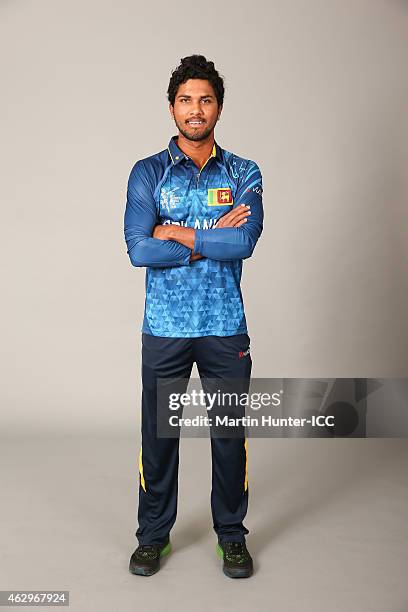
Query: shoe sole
142	571
232	573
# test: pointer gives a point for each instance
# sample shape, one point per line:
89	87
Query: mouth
195	122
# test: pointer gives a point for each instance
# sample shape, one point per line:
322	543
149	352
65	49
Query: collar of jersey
177	155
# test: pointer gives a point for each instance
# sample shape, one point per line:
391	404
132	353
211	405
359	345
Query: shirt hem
197	334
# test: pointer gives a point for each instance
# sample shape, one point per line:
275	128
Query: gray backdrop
316	93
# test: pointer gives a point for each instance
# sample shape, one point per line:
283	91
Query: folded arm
140	219
226	243
238	237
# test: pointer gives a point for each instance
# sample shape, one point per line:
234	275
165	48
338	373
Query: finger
241	215
230	218
239	209
240	223
232	222
237	214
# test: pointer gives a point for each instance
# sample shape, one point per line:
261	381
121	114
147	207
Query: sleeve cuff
198	241
186	259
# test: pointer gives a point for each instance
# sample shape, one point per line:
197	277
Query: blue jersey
200	298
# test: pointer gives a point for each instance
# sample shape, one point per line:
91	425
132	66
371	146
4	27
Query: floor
328	525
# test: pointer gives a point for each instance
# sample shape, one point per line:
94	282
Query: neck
198	150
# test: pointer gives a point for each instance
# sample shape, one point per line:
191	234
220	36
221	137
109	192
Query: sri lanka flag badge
220	197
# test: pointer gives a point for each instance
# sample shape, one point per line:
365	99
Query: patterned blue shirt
200	298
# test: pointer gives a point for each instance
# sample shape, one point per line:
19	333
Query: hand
161	232
235	217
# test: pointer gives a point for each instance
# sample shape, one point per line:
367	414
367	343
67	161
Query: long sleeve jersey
200	298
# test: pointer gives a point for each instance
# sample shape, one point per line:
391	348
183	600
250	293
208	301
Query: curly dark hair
196	67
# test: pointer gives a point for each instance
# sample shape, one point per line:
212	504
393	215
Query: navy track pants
216	357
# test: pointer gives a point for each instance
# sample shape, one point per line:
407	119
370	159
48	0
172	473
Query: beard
195	134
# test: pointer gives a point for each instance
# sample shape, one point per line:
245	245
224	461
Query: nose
196	108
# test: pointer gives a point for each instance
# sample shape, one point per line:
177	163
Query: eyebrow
187	96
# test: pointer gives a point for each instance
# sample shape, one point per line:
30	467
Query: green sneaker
237	560
145	561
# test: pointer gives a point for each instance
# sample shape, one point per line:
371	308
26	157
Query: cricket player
193	214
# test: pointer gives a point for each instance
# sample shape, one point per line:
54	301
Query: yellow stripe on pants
142	480
246	465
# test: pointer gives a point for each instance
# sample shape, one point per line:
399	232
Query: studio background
316	94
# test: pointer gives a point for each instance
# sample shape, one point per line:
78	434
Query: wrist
197	241
169	231
183	235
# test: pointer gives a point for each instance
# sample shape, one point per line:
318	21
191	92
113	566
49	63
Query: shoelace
147	551
235	552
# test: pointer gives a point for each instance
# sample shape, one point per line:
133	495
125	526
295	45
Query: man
193	213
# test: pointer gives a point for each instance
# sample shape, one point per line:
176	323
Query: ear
219	112
171	110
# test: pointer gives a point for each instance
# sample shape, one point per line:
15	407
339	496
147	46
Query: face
195	109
